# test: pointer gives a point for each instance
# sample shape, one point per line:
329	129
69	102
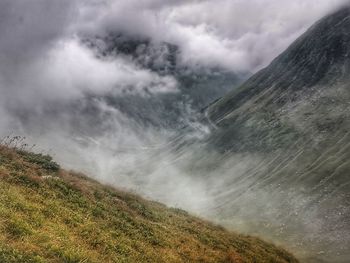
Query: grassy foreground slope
51	215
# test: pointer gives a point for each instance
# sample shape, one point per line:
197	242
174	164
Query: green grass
51	215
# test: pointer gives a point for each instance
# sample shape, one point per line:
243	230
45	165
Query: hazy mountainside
111	126
197	85
132	114
280	146
51	215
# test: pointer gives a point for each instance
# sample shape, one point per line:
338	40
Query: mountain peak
324	49
319	57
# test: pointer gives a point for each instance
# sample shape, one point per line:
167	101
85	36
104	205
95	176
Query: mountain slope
51	215
315	70
320	56
282	140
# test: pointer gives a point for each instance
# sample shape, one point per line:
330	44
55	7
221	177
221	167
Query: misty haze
175	131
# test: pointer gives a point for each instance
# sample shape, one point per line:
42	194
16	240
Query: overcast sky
236	34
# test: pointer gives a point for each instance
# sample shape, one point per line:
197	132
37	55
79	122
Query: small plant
44	161
17	229
26	180
18	143
69	255
13	256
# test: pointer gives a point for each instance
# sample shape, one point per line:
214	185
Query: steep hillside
51	215
282	142
306	87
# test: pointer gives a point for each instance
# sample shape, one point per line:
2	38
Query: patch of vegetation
8	255
70	218
42	160
17	228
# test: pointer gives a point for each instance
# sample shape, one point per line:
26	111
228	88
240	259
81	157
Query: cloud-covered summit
237	35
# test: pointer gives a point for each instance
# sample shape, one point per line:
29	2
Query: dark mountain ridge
281	146
319	57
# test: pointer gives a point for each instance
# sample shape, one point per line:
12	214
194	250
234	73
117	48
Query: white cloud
73	68
69	71
236	34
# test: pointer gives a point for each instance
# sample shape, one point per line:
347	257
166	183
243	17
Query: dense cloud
44	62
238	35
42	58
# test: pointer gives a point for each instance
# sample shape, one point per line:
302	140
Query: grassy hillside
51	215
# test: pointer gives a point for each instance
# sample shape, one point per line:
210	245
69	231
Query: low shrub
44	161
